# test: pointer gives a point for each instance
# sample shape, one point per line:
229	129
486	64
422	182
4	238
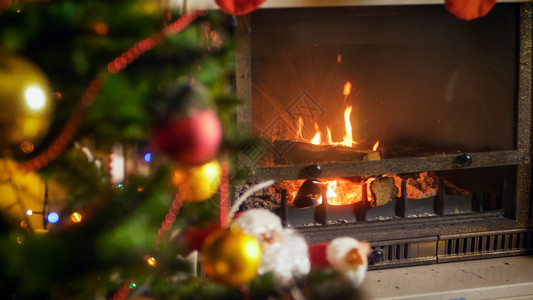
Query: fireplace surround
442	96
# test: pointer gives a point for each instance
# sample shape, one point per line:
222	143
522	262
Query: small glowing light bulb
27	147
151	261
101	29
35	97
52	217
76	217
148	157
29	212
133	285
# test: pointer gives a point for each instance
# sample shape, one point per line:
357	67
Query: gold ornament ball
231	257
25	102
198	183
22	191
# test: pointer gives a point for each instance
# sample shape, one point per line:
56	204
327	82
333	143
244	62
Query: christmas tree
118	134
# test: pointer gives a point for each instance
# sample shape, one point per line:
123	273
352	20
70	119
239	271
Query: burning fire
347	90
376	145
317	138
347	140
339	191
332	185
342	192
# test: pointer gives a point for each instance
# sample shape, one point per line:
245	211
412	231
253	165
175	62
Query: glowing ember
343	191
369	190
332	185
347	89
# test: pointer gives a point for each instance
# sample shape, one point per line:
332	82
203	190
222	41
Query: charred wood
292	152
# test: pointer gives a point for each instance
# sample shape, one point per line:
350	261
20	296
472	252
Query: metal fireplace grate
399	253
484	245
441	249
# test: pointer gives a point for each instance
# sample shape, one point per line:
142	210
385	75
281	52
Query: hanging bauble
25	102
471	9
231	257
26	200
238	7
198	183
190	140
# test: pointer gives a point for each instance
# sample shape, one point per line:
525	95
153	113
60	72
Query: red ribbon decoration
92	91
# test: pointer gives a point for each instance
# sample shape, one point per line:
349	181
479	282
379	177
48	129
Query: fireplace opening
328	83
398	125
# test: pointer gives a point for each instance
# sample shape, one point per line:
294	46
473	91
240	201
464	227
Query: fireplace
399	125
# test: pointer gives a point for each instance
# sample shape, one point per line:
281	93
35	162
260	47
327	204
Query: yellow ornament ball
23	193
25	102
198	183
231	257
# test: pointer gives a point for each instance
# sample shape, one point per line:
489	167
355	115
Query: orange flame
342	192
376	145
348	139
332	185
369	190
347	89
299	135
330	141
339	58
316	140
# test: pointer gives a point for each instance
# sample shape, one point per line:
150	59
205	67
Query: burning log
292	152
309	194
383	189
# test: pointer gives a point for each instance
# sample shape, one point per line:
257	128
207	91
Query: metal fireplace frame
423	240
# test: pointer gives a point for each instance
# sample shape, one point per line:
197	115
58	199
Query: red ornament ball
471	9
193	140
238	7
